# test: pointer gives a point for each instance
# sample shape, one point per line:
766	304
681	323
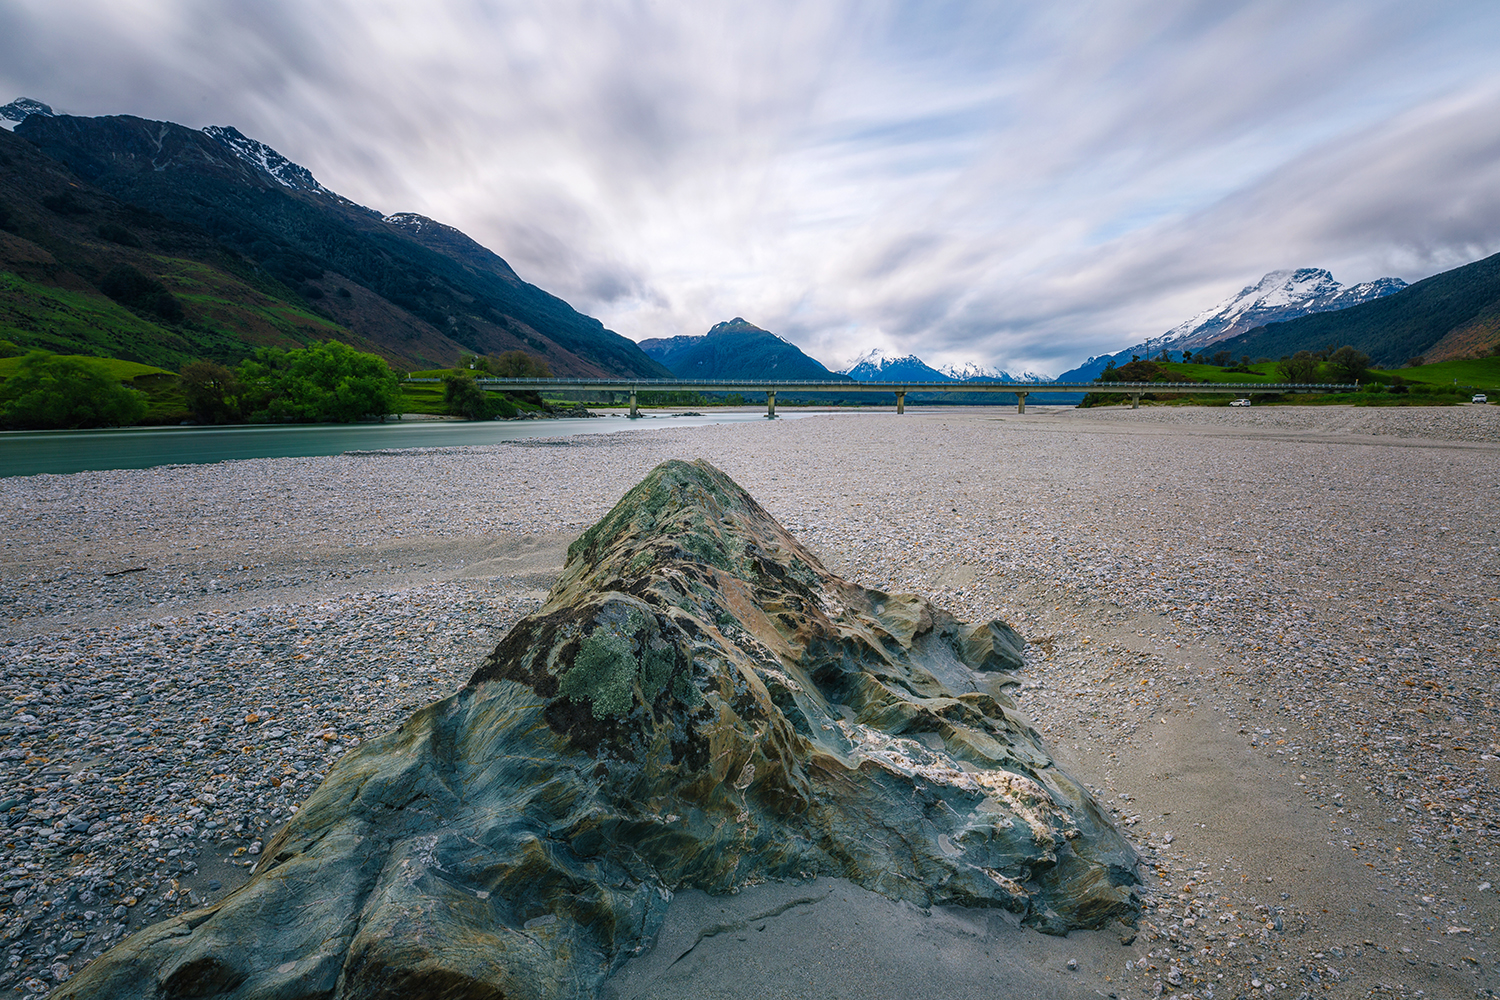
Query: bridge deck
899	389
762	385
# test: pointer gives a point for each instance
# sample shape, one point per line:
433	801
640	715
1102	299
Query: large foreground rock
699	704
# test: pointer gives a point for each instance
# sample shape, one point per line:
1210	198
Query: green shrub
327	382
1301	367
211	392
47	392
463	397
518	364
1349	364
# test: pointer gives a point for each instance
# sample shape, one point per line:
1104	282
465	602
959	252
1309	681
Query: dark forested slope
419	293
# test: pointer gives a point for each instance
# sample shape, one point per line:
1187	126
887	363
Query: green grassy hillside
1482	374
1444	383
223	320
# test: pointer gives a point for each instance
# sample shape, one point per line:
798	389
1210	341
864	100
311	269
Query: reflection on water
27	453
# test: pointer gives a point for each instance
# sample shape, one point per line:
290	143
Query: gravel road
1266	637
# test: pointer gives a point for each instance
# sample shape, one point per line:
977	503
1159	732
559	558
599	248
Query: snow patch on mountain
972	371
409	220
267	160
1279	296
16	111
876	365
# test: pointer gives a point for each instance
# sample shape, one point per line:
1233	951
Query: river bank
1260	635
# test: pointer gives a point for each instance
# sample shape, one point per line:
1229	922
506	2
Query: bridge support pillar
770	404
1021	402
634	413
900	402
1135	401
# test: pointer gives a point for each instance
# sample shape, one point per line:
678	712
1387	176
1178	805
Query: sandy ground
1266	639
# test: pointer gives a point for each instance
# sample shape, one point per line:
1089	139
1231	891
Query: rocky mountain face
698	704
878	366
16	111
736	349
1280	295
420	293
1455	314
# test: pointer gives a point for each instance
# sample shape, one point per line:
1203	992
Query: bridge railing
899	389
804	385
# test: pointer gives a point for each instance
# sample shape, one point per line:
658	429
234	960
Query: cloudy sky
1017	183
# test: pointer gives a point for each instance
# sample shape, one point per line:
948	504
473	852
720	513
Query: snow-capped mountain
878	366
16	111
1280	295
971	371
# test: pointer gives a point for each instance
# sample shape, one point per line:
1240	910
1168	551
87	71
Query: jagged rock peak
16	111
264	158
698	704
412	221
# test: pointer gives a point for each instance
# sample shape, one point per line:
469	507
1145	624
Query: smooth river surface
27	453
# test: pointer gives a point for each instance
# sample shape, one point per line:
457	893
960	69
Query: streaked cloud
1013	183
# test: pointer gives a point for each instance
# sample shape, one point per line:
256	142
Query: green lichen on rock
621	664
698	704
603	674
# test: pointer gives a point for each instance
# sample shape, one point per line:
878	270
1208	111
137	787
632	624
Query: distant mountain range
154	242
1280	295
878	366
741	350
736	350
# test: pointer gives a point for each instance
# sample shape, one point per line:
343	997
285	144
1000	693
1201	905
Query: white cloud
1018	184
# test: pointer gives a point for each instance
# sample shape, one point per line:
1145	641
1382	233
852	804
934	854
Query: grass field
122	370
1481	374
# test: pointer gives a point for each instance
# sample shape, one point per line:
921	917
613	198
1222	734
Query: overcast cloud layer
1018	184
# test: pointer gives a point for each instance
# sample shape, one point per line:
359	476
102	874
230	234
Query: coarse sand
1266	637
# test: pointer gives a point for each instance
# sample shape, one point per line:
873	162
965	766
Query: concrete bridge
899	389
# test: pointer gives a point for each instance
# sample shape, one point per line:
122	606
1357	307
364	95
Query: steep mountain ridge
389	280
876	365
1450	315
63	243
736	349
1280	295
16	111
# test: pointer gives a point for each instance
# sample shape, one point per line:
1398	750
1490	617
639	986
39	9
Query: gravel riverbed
1265	637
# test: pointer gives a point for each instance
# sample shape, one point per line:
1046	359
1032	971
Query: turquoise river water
29	453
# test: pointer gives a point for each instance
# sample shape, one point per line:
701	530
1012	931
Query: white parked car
1239	402
1480	397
